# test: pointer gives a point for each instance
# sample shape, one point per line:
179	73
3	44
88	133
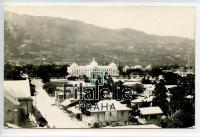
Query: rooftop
11	98
17	88
142	99
74	110
117	106
170	86
66	102
150	110
93	64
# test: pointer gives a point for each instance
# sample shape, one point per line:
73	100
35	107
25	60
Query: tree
30	69
182	108
179	119
32	88
131	72
44	74
166	123
155	72
49	87
72	78
45	78
146	80
185	87
86	79
160	97
63	70
8	71
120	69
12	72
171	78
177	98
138	88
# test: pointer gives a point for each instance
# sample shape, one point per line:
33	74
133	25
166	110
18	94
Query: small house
17	101
110	112
140	102
152	115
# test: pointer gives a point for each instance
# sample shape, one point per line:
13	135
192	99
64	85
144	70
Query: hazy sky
175	21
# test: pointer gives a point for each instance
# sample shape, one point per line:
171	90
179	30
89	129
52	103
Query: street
56	117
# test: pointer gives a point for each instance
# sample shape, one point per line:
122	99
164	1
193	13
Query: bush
49	87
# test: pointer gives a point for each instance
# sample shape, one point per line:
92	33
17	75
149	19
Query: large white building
93	67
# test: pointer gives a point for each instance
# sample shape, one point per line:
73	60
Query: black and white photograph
78	67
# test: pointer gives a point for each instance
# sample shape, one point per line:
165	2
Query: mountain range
30	39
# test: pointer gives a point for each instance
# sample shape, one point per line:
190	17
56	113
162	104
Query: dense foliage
42	71
181	111
49	87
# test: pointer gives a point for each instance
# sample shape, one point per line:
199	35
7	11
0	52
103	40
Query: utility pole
188	61
118	55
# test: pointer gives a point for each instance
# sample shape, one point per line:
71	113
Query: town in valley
62	73
38	97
